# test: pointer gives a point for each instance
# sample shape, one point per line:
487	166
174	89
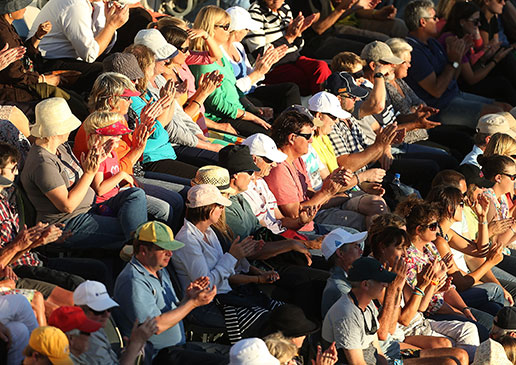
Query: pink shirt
109	167
289	183
195	58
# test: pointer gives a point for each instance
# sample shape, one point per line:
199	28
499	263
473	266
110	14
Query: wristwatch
455	64
379	75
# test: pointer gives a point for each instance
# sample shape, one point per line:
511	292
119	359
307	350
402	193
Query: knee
440	342
38	301
461	355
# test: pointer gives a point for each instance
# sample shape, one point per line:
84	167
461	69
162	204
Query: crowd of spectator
277	182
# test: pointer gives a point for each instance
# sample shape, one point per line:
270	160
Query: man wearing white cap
340	248
488	125
261	199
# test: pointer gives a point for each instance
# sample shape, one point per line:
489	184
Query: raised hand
299	247
141	333
116	15
197	33
500	226
210	81
9	55
373	175
386	135
426	276
482	206
43	29
90	161
307	213
199	291
328	357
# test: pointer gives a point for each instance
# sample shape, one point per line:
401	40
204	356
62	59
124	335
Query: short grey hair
398	46
108	85
415	11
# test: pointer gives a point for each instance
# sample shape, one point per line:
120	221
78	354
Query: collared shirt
347	139
471	158
73	30
263	203
336	285
200	258
141	295
240	217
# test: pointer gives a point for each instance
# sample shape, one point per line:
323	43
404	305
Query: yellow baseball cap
158	233
52	343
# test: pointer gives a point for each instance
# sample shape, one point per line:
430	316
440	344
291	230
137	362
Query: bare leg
60	297
38	306
20	121
427	342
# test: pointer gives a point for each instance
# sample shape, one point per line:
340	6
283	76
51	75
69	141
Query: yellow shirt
322	145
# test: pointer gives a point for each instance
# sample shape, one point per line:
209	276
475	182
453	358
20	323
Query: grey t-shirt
43	172
344	324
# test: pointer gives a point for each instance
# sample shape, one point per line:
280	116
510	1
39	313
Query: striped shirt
273	29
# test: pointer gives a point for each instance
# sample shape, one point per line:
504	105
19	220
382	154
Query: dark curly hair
416	212
287	123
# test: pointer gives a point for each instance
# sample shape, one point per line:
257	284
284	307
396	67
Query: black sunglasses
97	313
184	49
432	226
475	22
512	177
223	26
85	333
306	136
266	160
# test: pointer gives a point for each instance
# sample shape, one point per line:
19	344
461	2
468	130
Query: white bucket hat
154	40
251	351
241	19
53	118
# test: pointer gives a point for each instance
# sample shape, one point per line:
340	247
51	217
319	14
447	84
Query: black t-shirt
491	28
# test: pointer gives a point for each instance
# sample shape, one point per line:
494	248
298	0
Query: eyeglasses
250	173
306	136
512	177
475	22
223	26
85	333
348	96
461	204
435	17
184	49
97	313
358	74
431	226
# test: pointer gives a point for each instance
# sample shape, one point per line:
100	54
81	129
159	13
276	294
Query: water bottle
396	181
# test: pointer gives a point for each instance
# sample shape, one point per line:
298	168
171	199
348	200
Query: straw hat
53	118
214	175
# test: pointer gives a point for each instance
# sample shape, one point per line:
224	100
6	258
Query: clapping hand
43	29
328	357
199	291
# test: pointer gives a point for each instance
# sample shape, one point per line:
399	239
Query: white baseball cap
251	351
93	294
324	102
339	237
241	19
264	146
154	40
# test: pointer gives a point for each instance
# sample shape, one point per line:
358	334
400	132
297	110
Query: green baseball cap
158	233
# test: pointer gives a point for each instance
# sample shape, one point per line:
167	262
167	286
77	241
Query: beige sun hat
53	118
214	175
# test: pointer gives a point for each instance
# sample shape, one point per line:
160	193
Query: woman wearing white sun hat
60	189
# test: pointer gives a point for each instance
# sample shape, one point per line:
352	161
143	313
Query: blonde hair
108	86
345	61
398	46
444	8
280	347
206	20
145	58
509	345
500	144
96	120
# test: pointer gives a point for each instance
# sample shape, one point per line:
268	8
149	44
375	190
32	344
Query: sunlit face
350	253
160	67
393	253
401	70
99	316
376	289
18	14
239	35
122	107
431	23
329	121
221	31
156	257
495	6
457	217
264	164
427	232
242	180
347	101
298	341
504	180
300	143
